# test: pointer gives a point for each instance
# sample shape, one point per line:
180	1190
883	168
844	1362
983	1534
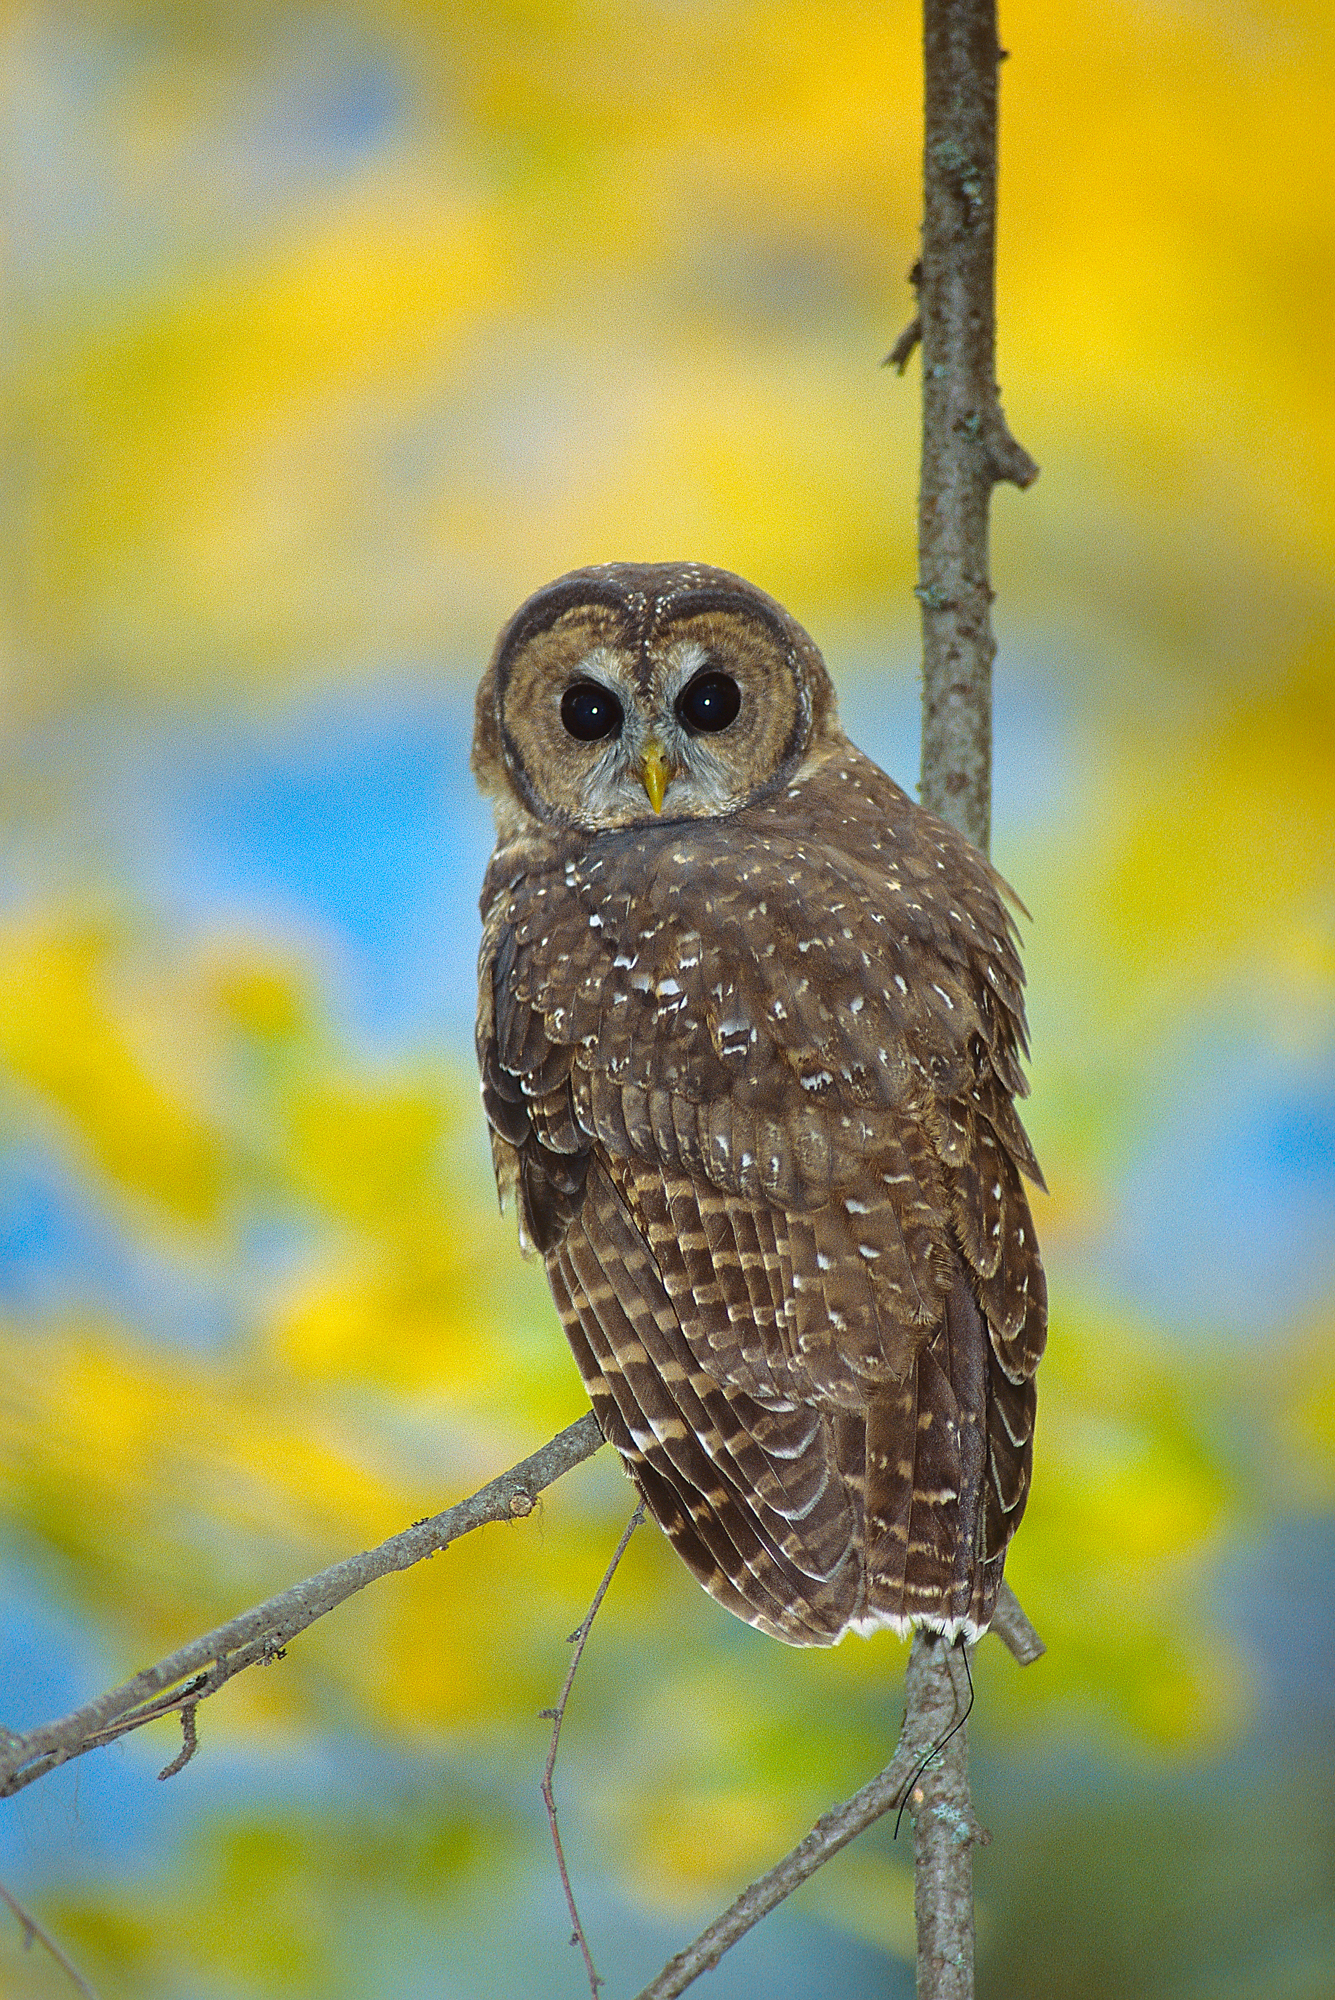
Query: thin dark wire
937	1748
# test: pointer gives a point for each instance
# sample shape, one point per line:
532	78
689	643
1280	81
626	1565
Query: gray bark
966	447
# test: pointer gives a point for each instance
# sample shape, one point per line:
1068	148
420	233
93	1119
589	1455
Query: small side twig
898	357
189	1743
900	354
1010	1622
577	1639
32	1929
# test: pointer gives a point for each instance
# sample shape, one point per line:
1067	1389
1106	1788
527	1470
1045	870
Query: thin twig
258	1636
557	1715
32	1929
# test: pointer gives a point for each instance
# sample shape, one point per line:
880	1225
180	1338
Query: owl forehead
654	645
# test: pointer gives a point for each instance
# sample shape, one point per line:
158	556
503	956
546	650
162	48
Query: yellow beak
655	772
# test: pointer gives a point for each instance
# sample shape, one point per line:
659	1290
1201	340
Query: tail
948	1457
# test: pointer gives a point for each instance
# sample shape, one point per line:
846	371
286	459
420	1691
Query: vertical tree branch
966	451
944	1828
966	447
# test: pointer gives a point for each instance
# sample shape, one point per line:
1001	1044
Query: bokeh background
331	331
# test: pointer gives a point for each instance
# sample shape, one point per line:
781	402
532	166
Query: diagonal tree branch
257	1637
911	1777
190	1675
831	1832
921	1775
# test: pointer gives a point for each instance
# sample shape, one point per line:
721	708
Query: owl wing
773	1085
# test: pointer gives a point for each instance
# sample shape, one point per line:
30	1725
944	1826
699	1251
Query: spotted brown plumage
750	1065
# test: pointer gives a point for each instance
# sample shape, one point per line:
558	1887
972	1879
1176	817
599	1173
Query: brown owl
749	1025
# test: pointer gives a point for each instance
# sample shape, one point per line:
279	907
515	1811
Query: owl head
632	690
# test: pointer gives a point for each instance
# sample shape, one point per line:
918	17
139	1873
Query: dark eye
710	702
590	712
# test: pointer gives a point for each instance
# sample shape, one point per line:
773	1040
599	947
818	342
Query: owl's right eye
590	712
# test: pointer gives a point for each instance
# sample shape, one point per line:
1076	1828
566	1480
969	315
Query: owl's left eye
710	702
590	712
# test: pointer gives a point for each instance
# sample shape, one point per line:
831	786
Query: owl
750	1023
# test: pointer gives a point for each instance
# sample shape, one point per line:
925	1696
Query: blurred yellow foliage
868	1895
60	1035
615	281
1231	848
634	307
1297	1390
